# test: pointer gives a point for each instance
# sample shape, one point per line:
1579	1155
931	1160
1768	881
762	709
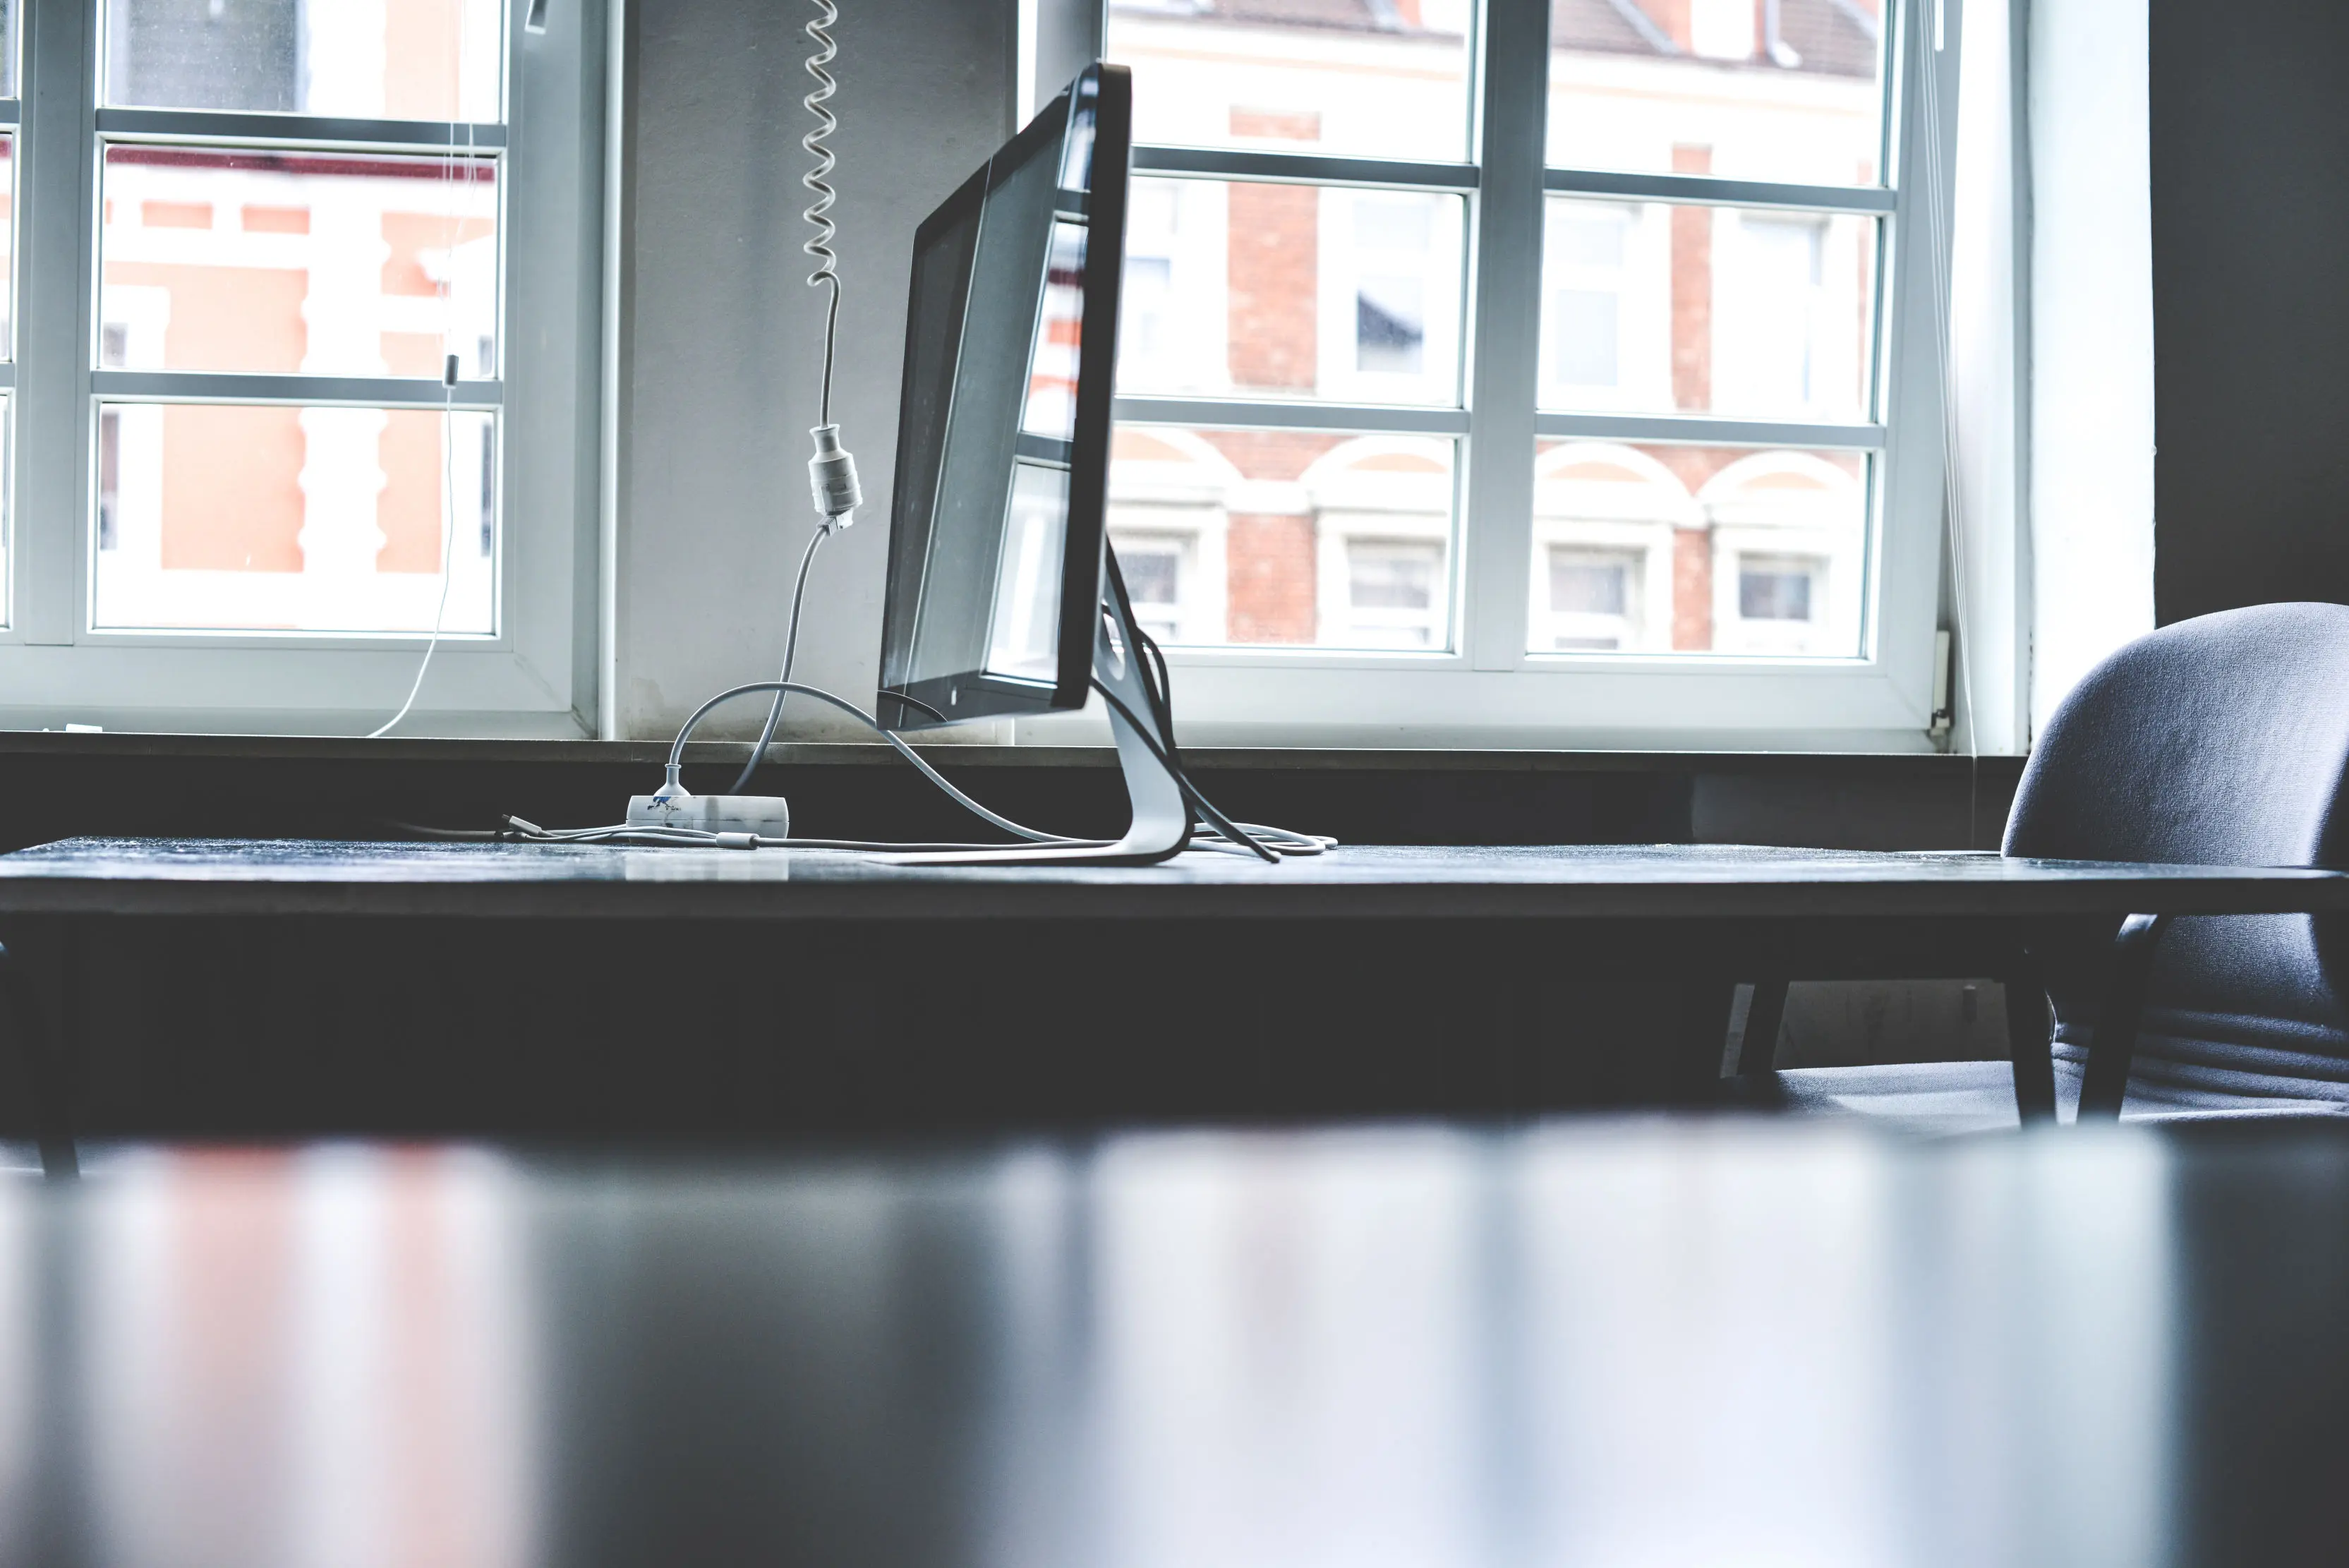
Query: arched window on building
1168	524
1382	537
1604	517
1789	554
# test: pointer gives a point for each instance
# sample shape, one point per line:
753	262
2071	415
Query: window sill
1846	765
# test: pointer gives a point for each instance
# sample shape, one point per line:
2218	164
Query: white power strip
768	815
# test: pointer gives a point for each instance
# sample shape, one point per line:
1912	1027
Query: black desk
1582	1343
272	989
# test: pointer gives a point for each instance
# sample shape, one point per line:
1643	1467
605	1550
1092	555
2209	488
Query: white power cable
454	231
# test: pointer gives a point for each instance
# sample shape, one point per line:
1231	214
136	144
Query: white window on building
1785	531
1779	588
1394	591
1583	324
1593	599
1380	506
1772	339
251	488
1389	297
1157	567
1392	236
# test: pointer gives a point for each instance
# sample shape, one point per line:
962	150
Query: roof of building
1837	37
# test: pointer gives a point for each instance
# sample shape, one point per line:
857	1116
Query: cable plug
672	789
831	477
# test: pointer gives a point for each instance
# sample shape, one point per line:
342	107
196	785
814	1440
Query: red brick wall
1693	290
1270	570
1271	585
1274	271
1692	590
1288	125
1272	454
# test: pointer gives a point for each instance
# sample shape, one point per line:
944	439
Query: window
1535	371
1583	304
1593	600
286	416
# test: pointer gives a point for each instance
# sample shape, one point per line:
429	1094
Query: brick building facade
1353	296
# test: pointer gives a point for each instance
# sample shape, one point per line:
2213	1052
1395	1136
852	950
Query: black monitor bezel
974	694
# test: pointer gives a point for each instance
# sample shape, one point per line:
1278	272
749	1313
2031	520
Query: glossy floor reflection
1583	1343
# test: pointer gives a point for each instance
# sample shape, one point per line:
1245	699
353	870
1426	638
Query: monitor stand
1160	827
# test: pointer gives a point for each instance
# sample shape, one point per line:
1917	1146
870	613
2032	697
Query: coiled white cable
819	213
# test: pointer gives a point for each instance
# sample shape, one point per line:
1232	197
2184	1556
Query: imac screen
995	519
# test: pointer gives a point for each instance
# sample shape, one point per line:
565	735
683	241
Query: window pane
11	35
7	246
7	513
1790	90
1294	538
280	262
1291	291
1651	308
388	59
278	518
1362	79
1681	549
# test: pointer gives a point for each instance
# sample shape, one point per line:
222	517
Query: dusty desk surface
1577	1342
287	877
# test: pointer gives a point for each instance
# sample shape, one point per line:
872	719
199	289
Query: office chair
2221	741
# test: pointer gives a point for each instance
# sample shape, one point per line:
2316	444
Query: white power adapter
767	815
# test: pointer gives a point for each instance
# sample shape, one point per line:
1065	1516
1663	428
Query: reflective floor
1585	1344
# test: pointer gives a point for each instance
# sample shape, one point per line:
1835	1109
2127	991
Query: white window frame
1487	688
536	674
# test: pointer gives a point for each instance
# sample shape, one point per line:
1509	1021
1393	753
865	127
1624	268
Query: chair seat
1948	1098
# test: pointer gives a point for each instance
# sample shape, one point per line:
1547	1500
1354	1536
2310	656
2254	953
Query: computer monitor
1002	597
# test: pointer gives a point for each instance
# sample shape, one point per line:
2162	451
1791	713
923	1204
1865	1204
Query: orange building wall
231	495
231	484
410	234
420	59
1271	593
410	510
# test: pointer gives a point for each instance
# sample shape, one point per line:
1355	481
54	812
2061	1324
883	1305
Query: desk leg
33	1009
1757	1053
2029	1039
1699	1012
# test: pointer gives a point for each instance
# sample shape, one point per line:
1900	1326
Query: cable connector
831	478
672	791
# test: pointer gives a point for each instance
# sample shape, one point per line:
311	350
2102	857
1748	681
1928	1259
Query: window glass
1394	593
1286	538
280	262
7	246
1292	292
1359	79
1155	567
1653	307
357	59
1747	90
1663	549
279	518
1023	633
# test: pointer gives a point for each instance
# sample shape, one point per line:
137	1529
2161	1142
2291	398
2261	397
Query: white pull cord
447	388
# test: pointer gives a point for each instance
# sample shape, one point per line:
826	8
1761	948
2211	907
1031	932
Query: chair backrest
2224	741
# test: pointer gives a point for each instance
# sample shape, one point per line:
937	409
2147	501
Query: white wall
1990	547
2092	487
721	338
